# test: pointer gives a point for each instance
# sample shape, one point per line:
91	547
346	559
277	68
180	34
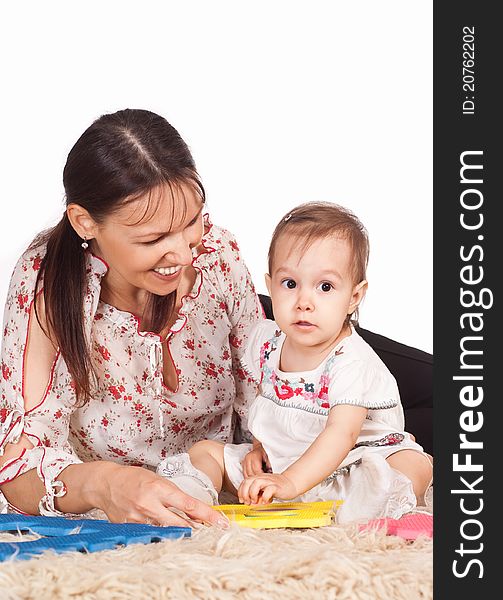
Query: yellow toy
281	514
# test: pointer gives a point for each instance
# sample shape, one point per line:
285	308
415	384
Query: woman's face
146	245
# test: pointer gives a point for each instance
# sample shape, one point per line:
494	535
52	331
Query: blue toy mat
83	535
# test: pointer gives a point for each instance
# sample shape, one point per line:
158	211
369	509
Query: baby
327	422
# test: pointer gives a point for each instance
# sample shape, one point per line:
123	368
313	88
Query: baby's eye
288	283
325	286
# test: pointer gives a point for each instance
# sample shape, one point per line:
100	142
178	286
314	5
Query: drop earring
84	244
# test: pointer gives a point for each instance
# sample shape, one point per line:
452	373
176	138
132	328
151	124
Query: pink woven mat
408	527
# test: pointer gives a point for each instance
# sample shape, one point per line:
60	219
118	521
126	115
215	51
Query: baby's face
312	290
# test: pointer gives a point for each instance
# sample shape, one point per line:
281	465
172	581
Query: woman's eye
288	283
157	240
326	287
151	242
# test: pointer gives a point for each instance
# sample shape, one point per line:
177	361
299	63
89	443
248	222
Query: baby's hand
253	462
261	489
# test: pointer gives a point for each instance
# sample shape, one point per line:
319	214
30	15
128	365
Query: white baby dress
291	410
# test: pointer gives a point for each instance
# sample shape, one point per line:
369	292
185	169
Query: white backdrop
280	102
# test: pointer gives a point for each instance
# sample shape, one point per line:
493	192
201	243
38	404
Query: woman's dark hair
120	157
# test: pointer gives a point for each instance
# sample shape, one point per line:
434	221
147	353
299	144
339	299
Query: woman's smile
168	270
167	274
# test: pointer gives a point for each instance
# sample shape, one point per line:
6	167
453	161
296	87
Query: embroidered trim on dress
343	470
388	440
315	394
317	410
381	405
246	368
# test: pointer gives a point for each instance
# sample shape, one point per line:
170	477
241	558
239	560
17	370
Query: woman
124	328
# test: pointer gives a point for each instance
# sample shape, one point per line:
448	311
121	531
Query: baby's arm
319	461
253	462
329	449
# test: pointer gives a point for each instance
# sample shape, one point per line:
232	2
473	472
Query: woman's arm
25	491
319	461
125	494
28	468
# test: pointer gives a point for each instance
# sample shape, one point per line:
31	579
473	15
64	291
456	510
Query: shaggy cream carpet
333	562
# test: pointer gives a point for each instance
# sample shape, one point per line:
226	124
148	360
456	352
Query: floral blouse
133	417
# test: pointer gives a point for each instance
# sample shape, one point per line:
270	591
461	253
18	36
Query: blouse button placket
155	357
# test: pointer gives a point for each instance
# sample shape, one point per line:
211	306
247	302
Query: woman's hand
137	495
253	461
261	489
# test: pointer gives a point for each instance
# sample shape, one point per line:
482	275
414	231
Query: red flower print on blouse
211	370
6	372
117	451
104	352
286	392
114	391
22	299
234	341
36	263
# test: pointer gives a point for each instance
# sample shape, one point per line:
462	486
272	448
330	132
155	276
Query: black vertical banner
467	390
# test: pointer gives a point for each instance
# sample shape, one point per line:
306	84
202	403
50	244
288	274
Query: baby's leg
417	467
208	456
